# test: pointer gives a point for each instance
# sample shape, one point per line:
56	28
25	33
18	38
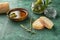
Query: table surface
10	30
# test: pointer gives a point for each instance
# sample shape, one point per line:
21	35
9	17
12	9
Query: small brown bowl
21	18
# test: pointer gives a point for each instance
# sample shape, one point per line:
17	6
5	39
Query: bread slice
4	7
37	24
46	22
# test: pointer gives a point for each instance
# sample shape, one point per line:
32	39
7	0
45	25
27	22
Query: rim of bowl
18	9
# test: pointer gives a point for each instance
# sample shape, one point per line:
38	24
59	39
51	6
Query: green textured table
10	30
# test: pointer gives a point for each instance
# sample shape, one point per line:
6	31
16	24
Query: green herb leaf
27	29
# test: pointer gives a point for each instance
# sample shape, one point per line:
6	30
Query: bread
42	22
37	24
46	22
4	7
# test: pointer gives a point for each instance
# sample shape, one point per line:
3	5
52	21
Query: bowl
17	14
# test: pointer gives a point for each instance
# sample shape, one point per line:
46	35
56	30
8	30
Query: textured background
10	30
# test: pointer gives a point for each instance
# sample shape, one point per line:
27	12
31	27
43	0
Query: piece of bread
37	25
4	7
46	22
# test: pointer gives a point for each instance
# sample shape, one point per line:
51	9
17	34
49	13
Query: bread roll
46	22
37	24
4	7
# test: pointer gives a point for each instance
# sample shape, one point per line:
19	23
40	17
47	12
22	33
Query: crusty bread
46	22
42	22
37	24
4	7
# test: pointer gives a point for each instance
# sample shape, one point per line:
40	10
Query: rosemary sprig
27	29
30	23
